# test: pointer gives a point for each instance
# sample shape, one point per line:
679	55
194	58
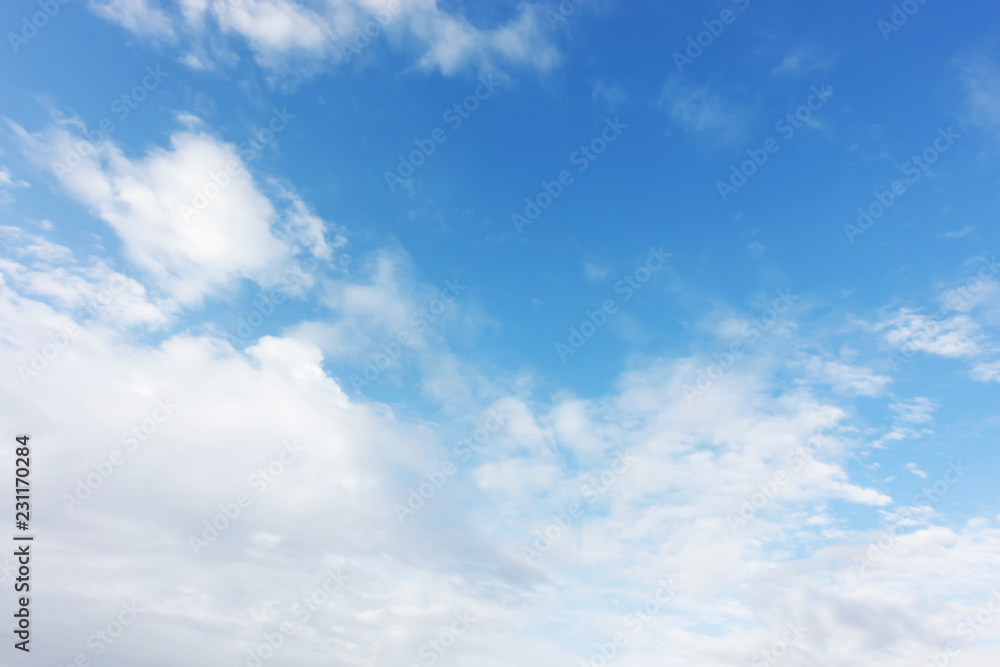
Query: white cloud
192	248
953	336
594	273
7	181
52	273
986	371
919	410
910	420
803	60
981	79
959	233
611	95
144	17
703	111
665	517
848	379
293	39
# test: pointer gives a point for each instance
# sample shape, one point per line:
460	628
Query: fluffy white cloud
664	514
190	216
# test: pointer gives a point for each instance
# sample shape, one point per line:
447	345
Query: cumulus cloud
190	215
659	479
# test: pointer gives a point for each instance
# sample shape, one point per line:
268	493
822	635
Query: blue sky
654	303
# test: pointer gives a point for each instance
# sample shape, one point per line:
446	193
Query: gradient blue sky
891	335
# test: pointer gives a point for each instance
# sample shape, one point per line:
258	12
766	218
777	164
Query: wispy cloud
700	110
804	59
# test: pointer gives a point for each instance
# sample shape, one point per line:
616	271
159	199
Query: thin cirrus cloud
292	39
